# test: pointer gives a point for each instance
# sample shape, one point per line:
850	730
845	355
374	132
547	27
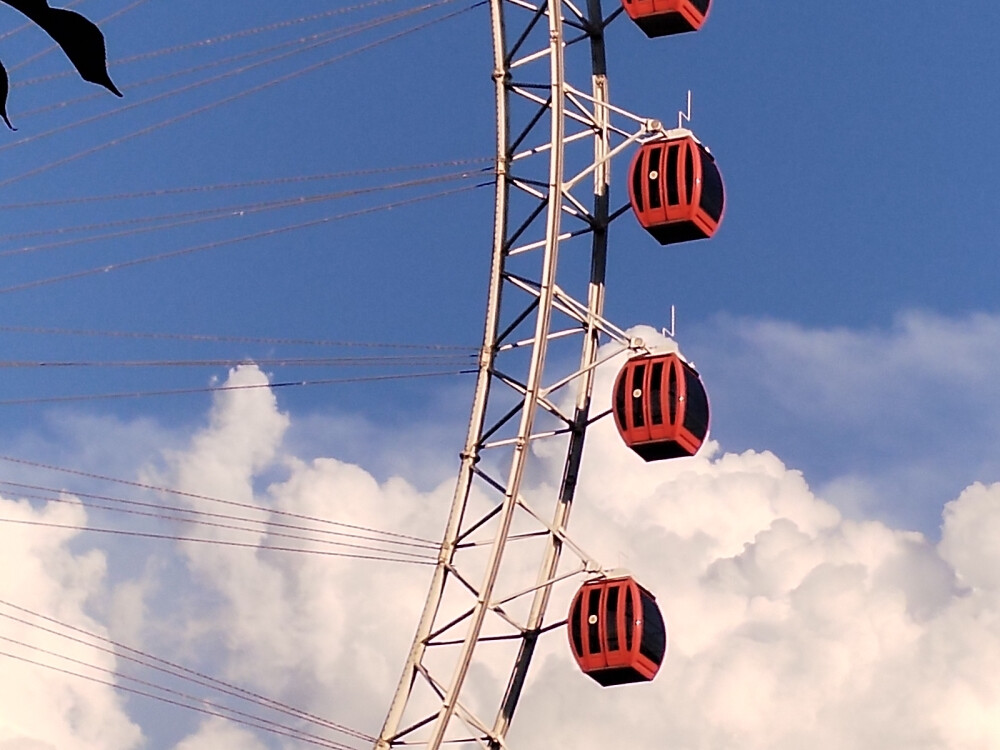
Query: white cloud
40	707
791	625
215	734
971	537
887	421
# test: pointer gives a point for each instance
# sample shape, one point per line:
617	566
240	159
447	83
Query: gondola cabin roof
660	406
676	189
664	17
616	632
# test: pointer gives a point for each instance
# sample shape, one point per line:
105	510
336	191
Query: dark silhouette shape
77	36
4	88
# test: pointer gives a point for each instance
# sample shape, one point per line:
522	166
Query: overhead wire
52	47
24	27
319	38
106	268
193	514
295	734
200	216
196	496
222	388
164	666
330	35
265	182
304	44
220	338
233	97
425	555
199	706
395	557
288	731
204	42
424	360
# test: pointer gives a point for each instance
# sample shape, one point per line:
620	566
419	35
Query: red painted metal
664	17
660	407
676	189
616	632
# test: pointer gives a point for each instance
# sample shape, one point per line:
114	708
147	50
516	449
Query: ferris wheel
506	554
505	547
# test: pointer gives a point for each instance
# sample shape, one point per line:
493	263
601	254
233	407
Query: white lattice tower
503	547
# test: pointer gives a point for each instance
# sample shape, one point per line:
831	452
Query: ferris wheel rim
591	316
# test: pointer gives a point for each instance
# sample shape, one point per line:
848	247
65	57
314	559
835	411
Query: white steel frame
531	318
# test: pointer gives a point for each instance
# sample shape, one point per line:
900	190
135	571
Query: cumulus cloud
321	632
217	733
888	421
791	624
42	707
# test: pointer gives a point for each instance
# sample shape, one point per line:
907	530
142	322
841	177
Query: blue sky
844	317
855	142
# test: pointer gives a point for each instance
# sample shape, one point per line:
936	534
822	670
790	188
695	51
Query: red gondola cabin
660	407
616	632
663	17
676	189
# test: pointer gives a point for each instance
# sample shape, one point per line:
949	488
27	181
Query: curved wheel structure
504	543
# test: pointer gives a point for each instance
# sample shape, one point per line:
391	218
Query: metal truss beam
540	339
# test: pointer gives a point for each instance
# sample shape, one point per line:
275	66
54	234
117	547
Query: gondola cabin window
660	407
675	189
616	631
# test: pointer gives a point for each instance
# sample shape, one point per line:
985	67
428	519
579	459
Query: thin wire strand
53	47
232	98
230	241
215	389
151	661
196	496
201	216
408	360
314	40
351	30
330	35
265	523
204	42
314	43
320	743
246	184
30	25
220	542
232	712
233	527
217	338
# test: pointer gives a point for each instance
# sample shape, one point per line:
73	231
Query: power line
330	36
315	41
53	47
188	218
32	25
202	42
424	360
397	558
214	389
291	733
176	670
221	338
268	182
232	527
284	729
228	99
265	524
230	241
196	496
